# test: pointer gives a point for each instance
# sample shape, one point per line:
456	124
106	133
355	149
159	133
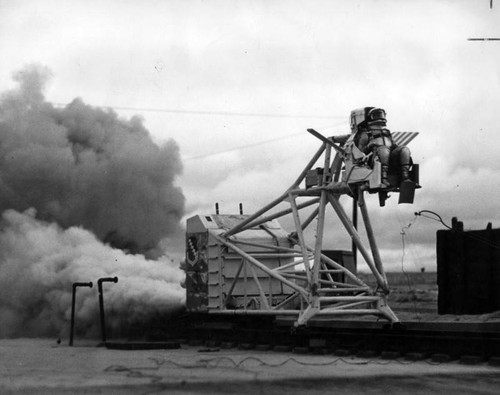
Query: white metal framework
309	279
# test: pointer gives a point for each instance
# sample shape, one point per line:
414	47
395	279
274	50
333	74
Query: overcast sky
241	81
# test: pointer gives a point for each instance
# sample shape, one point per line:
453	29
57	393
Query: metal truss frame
314	290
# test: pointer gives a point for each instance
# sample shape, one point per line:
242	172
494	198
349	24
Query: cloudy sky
237	83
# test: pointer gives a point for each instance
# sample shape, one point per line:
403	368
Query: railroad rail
468	342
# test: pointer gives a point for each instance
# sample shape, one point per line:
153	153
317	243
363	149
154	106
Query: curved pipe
75	285
101	303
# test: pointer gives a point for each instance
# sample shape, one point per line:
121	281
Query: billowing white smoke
80	191
41	261
84	166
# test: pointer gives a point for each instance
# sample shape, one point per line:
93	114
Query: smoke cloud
40	262
84	166
81	192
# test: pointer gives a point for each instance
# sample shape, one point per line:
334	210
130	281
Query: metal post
101	303
75	285
355	224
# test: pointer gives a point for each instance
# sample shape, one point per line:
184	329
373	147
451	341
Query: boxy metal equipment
217	278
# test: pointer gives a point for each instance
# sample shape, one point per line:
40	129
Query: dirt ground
41	366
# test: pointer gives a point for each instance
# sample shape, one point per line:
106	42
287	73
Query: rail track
471	342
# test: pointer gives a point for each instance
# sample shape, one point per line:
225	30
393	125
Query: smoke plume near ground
40	262
81	192
84	166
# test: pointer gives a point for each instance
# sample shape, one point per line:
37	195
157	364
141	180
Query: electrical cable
466	234
434	213
249	145
223	361
217	113
242	147
409	242
225	113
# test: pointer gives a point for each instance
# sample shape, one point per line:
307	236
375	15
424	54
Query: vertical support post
245	287
101	303
217	208
371	236
336	167
72	329
241	208
355	224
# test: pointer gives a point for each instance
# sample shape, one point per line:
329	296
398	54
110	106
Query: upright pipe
101	303
75	285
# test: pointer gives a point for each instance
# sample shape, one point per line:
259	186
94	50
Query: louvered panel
403	138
